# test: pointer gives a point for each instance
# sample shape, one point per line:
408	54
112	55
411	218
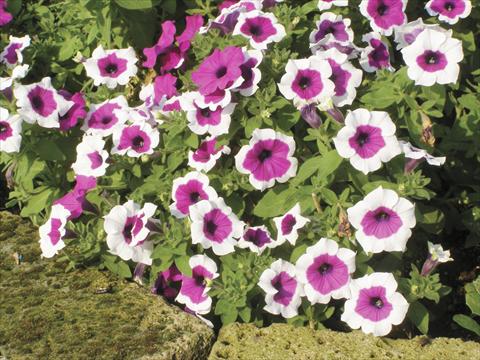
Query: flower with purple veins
384	15
288	225
260	28
449	11
251	74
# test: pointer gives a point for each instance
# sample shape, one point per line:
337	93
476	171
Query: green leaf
117	266
472	297
14	6
325	165
418	314
182	263
467	323
275	203
37	203
49	150
137	4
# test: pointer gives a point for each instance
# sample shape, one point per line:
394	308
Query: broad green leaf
182	263
472	297
137	4
37	203
418	314
117	266
324	165
467	323
274	202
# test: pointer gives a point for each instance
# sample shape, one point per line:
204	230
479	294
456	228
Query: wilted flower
207	154
91	157
283	291
433	58
416	156
257	239
104	118
18	72
383	221
229	13
374	304
193	292
111	67
327	4
436	255
384	15
288	225
10	131
449	11
376	55
260	28
127	231
41	103
267	158
215	226
135	140
334	25
52	232
12	53
324	270
188	190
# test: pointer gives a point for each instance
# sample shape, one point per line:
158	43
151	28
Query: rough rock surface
281	341
48	313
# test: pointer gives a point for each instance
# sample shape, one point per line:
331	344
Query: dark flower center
431	58
255	30
324	268
329	30
382	216
221	72
138	141
106	120
3	128
264	155
277	285
362	139
205	113
194	197
111	68
37	102
304	82
377	302
211	227
449	6
199	280
127	233
382	9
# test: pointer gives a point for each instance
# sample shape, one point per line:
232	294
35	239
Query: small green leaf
275	203
418	314
117	266
137	4
325	165
467	323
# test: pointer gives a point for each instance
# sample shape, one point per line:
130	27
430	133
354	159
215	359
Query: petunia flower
127	231
375	56
188	190
384	15
267	158
257	239
406	34
417	155
329	42
433	58
306	81
207	154
327	4
260	28
75	113
288	225
449	11
375	305
251	74
52	232
5	16
215	226
283	291
104	118
111	67
12	53
383	221
10	131
194	289
325	270
219	71
334	25
170	59
219	98
135	140
345	77
18	72
165	283
162	89
436	255
74	201
226	21
367	140
91	157
41	103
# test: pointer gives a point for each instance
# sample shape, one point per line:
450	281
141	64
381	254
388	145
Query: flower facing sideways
383	221
10	131
289	224
375	305
52	232
325	271
376	55
91	157
207	154
12	53
283	291
334	25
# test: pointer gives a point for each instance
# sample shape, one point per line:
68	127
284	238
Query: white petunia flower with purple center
283	290
433	58
325	270
91	157
41	103
334	25
215	226
327	4
383	221
10	131
257	239
188	190
104	118
288	225
384	15
207	154
18	72
52	232
202	120
375	305
449	11
12	53
367	140
194	289
127	231
251	74
111	67
260	28
267	158
345	77
406	34
375	56
135	140
228	17
306	81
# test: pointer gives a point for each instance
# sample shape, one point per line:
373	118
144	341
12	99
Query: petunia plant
253	160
